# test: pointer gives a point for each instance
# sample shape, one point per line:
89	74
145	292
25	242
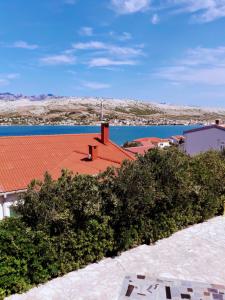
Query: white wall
204	140
5	203
163	144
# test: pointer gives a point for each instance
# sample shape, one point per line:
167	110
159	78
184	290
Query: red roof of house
29	157
151	140
140	149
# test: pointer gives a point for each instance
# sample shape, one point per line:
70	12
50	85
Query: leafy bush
132	144
26	257
79	219
160	193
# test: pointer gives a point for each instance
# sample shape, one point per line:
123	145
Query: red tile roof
140	149
29	157
151	140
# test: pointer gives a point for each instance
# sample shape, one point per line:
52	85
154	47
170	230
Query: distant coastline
89	111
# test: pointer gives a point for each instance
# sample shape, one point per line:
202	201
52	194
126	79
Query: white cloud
86	31
5	79
12	76
129	6
61	59
107	62
155	19
102	54
25	45
4	82
96	85
202	10
109	48
89	46
108	55
125	36
199	66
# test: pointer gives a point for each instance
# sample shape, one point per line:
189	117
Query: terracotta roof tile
140	149
151	140
25	158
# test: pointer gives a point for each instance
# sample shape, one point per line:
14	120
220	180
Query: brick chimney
105	133
93	152
217	122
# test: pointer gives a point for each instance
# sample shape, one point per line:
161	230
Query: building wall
163	144
5	204
204	140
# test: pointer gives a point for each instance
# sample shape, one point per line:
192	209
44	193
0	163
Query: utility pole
102	113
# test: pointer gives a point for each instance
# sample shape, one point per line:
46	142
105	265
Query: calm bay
118	134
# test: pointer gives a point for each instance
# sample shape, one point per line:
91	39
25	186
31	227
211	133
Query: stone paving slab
140	287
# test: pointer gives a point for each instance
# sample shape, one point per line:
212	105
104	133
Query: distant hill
50	107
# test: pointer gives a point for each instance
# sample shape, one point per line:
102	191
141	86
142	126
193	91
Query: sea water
118	134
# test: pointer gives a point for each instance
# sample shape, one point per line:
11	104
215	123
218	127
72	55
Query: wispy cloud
124	36
202	11
24	45
96	85
155	19
93	45
198	66
60	59
109	48
86	31
3	82
5	79
107	55
129	6
107	62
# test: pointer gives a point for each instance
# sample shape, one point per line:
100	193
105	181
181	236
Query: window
12	212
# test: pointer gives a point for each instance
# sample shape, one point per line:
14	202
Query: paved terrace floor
196	253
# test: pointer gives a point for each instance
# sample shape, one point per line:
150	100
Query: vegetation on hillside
79	219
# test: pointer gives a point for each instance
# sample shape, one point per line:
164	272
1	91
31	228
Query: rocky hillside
53	109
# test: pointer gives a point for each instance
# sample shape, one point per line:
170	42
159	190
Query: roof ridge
121	149
47	135
205	128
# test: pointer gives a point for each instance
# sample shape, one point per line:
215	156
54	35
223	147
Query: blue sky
167	51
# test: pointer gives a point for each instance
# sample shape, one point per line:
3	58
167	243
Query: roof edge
48	135
204	128
122	150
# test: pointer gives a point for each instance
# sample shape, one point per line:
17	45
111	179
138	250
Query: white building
177	139
205	138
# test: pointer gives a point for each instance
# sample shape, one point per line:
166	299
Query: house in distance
205	138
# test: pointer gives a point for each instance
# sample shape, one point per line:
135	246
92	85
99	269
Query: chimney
93	152
217	122
105	133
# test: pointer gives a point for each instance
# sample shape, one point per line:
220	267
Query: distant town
57	110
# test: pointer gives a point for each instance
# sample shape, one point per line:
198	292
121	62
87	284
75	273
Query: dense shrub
162	192
26	257
29	257
78	219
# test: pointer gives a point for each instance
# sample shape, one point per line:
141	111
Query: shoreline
111	125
